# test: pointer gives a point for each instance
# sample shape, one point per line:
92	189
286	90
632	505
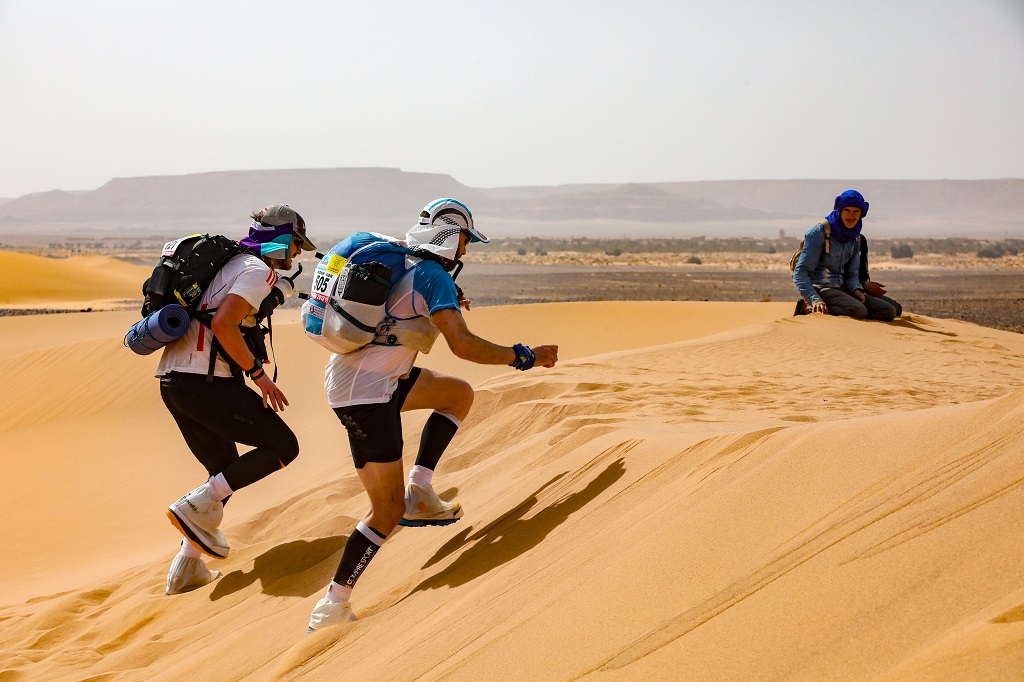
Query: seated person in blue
827	271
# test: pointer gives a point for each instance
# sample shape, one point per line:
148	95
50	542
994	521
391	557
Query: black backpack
185	270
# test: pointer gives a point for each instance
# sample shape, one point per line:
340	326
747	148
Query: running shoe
328	613
197	516
424	508
187	574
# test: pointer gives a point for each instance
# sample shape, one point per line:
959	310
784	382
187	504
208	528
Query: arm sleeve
436	287
814	244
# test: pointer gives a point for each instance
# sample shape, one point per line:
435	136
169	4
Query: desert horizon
336	201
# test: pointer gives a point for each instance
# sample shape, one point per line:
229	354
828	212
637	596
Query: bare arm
468	346
225	323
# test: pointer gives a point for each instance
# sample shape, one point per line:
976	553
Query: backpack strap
365	327
424	254
828	232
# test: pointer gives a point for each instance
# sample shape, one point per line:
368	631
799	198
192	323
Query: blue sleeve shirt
435	286
836	269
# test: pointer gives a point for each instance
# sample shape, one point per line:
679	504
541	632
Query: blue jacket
837	269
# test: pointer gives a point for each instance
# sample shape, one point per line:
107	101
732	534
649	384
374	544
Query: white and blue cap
439	226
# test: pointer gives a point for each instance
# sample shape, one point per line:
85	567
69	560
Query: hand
546	356
464	302
874	288
859	295
273	397
819	307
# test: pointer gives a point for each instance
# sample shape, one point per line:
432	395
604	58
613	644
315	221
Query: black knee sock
437	434
362	546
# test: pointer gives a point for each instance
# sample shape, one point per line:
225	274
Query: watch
256	366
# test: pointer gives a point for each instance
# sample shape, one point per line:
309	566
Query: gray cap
283	214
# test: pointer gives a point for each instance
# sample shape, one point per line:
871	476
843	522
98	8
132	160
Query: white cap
439	226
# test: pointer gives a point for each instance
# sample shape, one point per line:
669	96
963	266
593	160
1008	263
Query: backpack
796	254
346	308
185	270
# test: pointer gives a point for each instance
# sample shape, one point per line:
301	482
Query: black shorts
375	431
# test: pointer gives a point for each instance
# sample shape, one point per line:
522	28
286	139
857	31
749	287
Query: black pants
841	303
214	415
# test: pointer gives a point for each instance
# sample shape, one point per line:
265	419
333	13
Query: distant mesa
336	201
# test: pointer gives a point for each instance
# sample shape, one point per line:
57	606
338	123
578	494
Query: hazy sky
512	93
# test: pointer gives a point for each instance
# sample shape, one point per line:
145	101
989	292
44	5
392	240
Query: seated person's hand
874	288
860	296
819	307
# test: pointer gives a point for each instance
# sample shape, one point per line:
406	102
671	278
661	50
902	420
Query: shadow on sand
294	569
908	324
511	535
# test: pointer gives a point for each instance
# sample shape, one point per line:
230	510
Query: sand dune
700	491
77	281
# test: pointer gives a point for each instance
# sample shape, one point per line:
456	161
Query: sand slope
727	493
80	280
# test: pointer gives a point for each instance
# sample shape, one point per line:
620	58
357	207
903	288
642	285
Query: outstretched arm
468	346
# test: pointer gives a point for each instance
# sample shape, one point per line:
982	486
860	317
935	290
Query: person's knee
458	398
882	310
288	450
464	395
886	314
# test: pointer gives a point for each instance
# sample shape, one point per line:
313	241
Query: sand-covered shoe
328	613
188	574
197	516
424	508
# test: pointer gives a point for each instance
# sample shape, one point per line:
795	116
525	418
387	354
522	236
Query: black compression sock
437	434
362	546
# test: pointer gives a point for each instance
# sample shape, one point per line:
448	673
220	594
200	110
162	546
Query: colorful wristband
524	357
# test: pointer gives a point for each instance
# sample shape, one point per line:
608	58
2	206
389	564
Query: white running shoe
198	516
328	613
187	574
424	508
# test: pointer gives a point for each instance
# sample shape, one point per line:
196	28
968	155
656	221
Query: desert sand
78	281
698	491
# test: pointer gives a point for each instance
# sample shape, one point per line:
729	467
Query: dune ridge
26	279
767	497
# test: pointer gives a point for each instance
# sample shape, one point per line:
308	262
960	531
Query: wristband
524	357
258	374
257	365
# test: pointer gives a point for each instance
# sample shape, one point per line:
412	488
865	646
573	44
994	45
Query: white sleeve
253	281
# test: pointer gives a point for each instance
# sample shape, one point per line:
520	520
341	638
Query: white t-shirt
244	275
370	374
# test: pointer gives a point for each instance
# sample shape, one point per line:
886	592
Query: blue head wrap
850	197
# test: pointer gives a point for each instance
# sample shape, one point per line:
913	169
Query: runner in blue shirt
370	388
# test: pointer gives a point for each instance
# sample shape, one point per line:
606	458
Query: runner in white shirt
215	411
371	387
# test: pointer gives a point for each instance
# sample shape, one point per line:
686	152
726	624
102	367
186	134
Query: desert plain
700	490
